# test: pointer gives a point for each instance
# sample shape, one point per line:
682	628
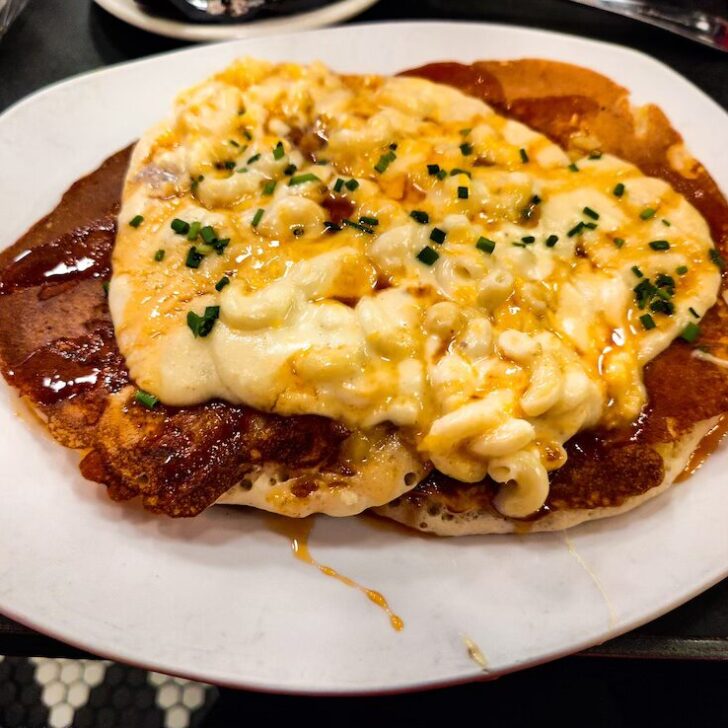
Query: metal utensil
703	27
9	10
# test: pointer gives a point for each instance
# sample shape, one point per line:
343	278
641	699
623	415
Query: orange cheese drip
298	531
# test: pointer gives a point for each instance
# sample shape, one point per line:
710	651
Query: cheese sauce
391	250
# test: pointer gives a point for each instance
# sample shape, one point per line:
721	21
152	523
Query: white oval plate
130	12
219	597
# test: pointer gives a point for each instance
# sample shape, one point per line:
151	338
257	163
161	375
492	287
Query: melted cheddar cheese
379	249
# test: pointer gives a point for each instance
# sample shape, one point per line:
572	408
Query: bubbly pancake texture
389	250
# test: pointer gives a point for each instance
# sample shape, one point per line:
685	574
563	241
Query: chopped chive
233	142
528	239
427	255
357	226
351	185
420	216
196	181
442	174
384	161
433	169
393	146
219	245
536	200
661	305
269	187
222	283
690	332
694	312
593	214
301	179
647	321
181	227
575	230
290	169
242	170
194	258
207	233
247	134
159	256
681	270
437	236
590	225
105	287
278	151
145	399
257	217
202	325
230	164
665	281
618	190
458	170
644	291
572	167
637	271
647	213
465	132
136	221
373	221
194	231
659	245
619	242
717	258
485	244
596	154
462	193
666	222
524	155
331	227
466	149
338	185
253	159
551	240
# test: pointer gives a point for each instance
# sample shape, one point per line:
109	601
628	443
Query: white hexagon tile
45	692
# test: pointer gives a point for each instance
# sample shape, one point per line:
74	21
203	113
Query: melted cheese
491	357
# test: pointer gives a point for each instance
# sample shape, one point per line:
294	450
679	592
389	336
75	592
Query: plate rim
313	19
265	686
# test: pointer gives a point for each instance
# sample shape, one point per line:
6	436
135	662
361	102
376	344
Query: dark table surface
55	39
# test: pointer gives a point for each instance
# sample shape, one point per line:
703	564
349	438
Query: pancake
57	346
607	472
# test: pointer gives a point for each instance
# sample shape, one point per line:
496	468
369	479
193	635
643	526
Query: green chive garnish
694	312
462	193
257	217
269	187
290	169
573	168
145	399
660	245
136	221
466	149
465	132
485	244
180	226
717	258
194	231
373	221
357	226
233	142
159	255
222	283
637	272
253	159
331	227
201	326
551	240
618	190
427	255
524	155
278	151
105	287
420	216
437	236
690	332
647	213
384	161
194	258
647	321
575	230
458	170
207	233
528	239
433	169
681	270
351	185
595	155
619	242
666	222
338	185
443	173
301	179
593	214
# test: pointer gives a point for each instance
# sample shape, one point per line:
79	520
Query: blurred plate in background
130	12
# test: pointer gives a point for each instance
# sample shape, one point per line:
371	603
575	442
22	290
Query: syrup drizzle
298	530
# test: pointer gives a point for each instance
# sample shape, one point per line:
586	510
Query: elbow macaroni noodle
522	330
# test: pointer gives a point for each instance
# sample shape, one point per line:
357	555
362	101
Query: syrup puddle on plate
706	447
298	531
